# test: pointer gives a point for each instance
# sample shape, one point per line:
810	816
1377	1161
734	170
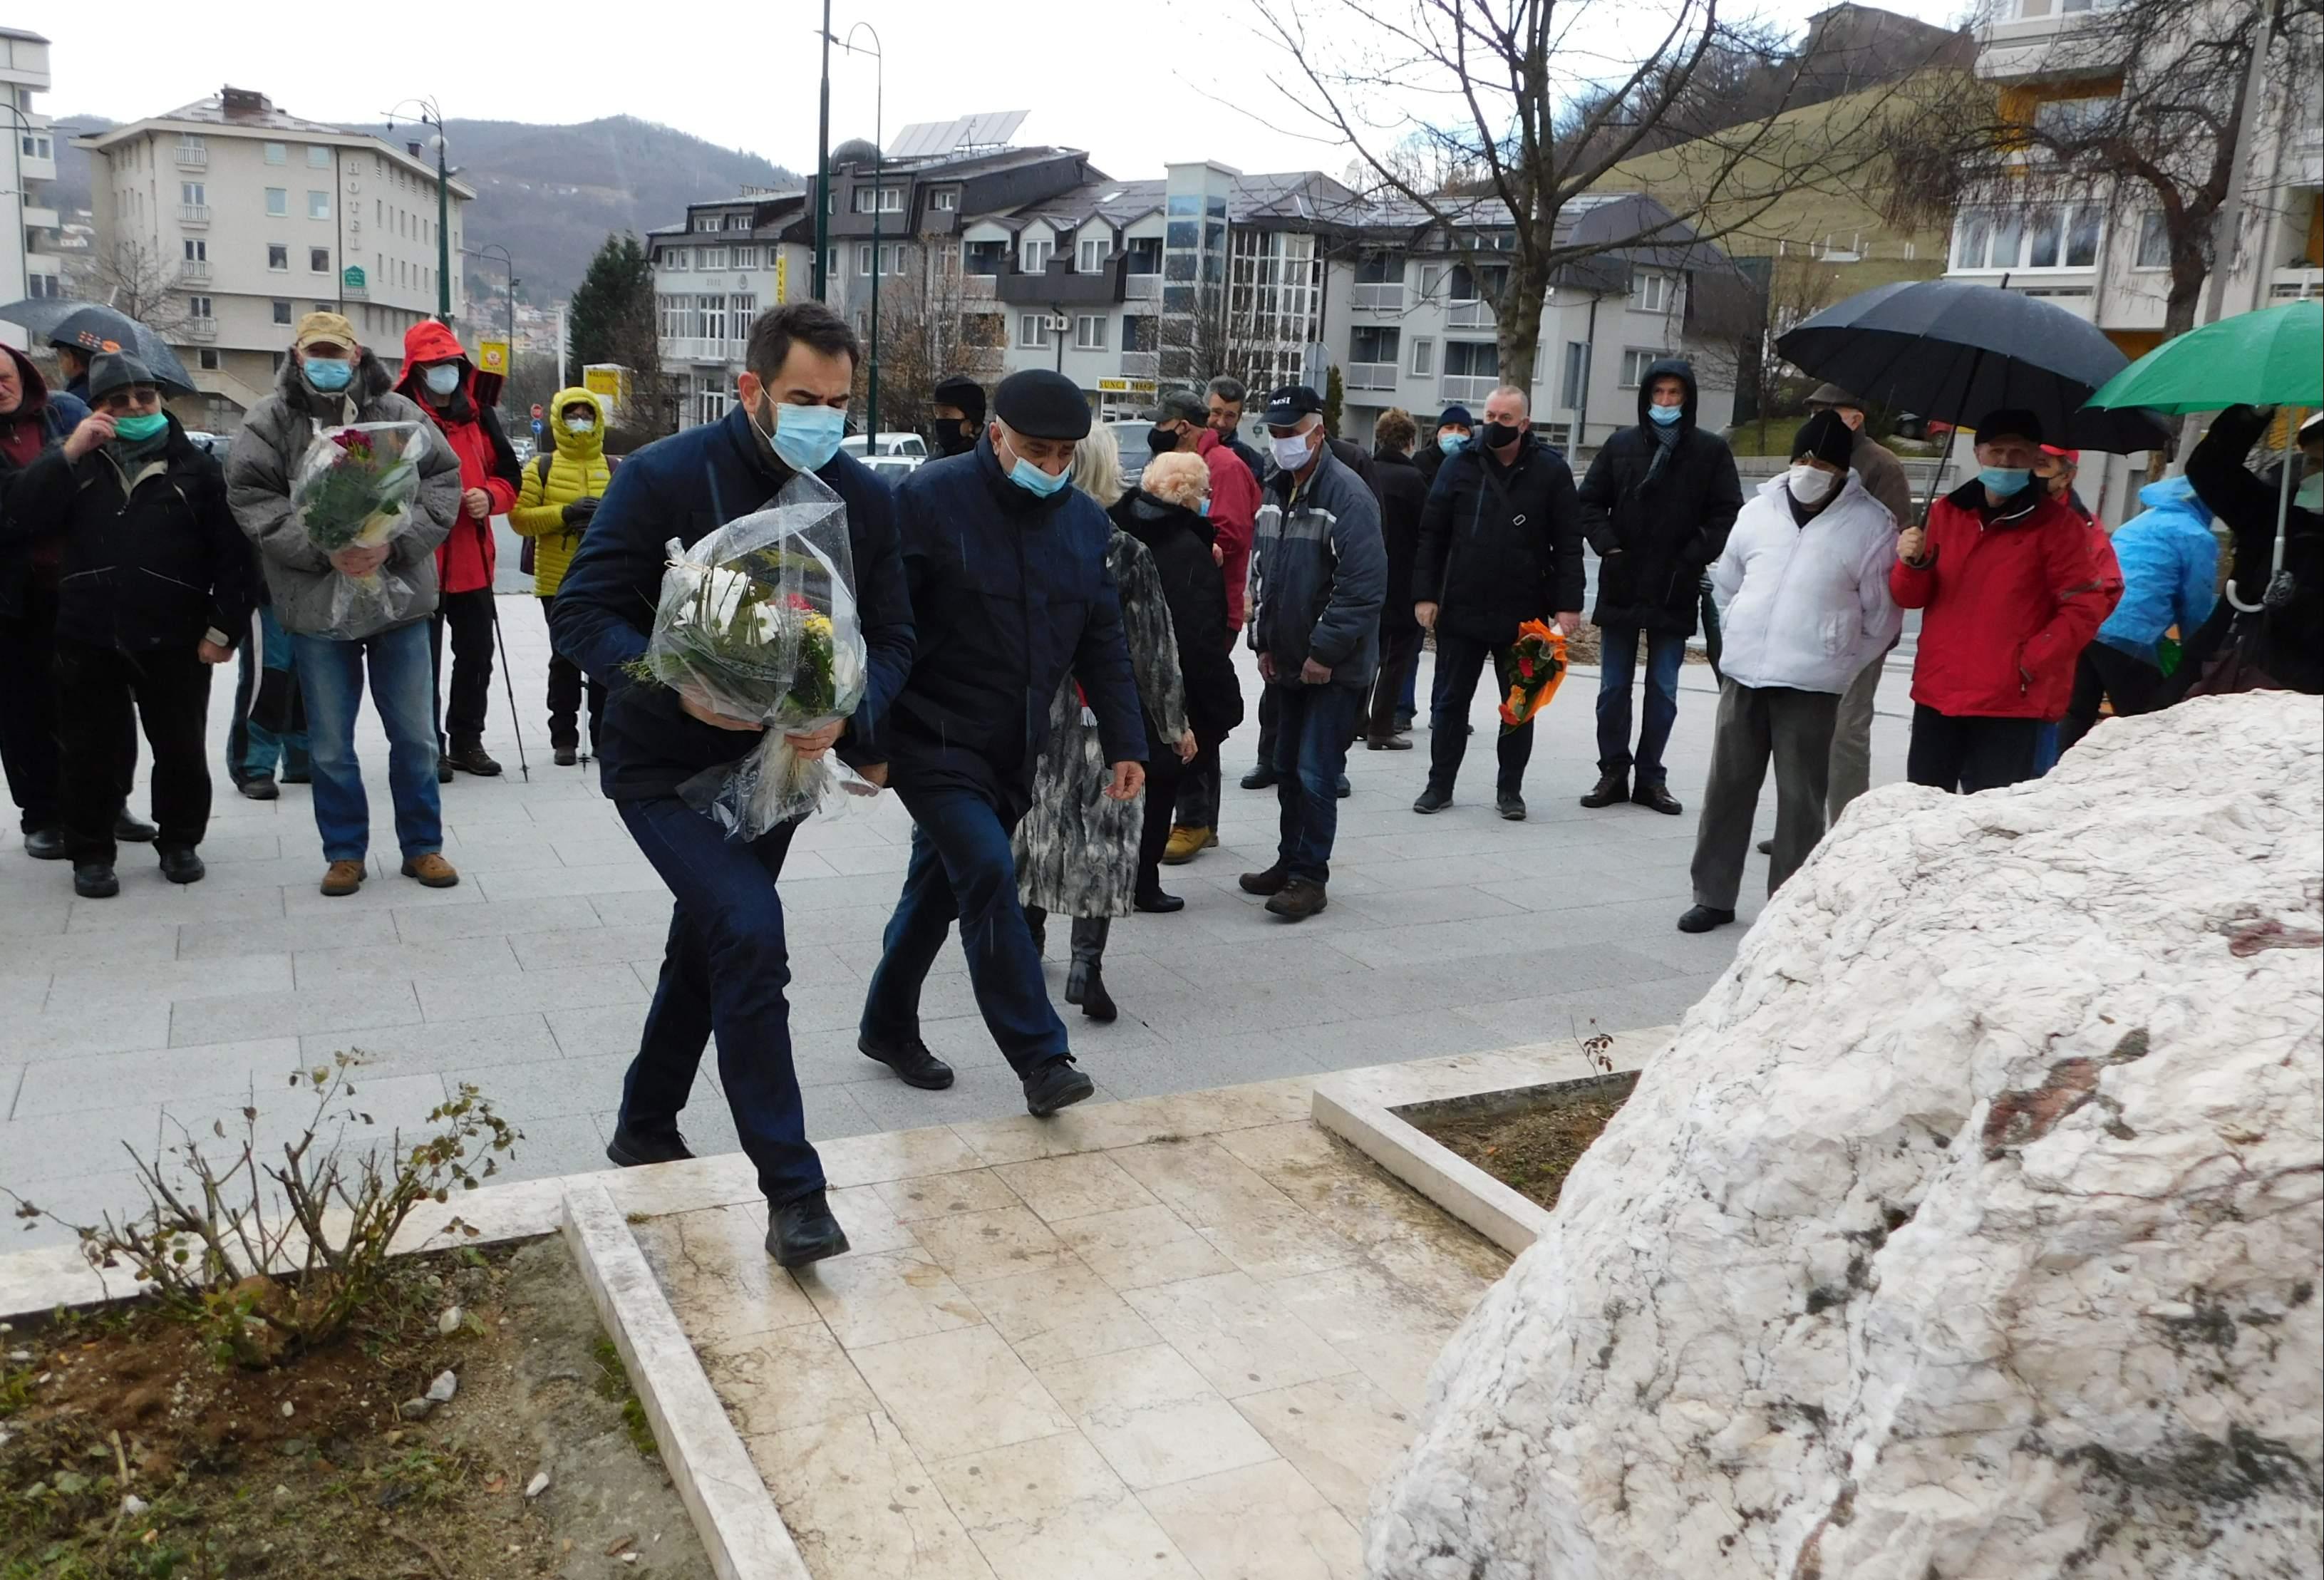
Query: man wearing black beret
1005	560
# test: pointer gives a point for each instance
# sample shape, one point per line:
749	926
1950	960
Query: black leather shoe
1270	881
634	1149
1155	902
1086	986
132	829
45	845
1300	899
1510	806
803	1231
1054	1086
1610	788
1703	917
179	864
568	756
474	760
443	770
1431	800
914	1065
94	881
1657	798
1343	789
1260	777
259	788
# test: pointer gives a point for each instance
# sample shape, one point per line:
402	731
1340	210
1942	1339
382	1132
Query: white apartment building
2101	254
713	274
244	218
29	263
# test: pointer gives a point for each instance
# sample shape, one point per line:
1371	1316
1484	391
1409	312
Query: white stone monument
1970	1228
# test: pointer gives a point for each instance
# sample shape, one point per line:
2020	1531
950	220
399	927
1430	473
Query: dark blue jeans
723	972
1619	650
962	870
1312	727
269	726
331	674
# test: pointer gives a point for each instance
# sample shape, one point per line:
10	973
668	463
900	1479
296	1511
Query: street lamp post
509	264
822	167
879	168
430	114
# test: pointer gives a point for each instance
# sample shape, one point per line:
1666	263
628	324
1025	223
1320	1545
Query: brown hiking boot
431	869
343	879
1301	897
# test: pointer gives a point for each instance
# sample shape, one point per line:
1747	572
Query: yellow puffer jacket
577	470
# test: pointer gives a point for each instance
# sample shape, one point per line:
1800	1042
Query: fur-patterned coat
1076	849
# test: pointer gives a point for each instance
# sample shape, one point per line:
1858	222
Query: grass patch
613	1384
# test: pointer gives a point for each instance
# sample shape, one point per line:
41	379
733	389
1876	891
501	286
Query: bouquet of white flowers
757	620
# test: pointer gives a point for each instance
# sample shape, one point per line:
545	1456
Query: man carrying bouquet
726	963
330	381
1006	563
1500	544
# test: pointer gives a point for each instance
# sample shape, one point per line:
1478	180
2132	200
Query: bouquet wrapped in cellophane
1536	667
358	487
757	620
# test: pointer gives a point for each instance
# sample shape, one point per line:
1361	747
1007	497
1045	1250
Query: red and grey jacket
488	461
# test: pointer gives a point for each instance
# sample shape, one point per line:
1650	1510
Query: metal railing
1469	314
1369	375
195	268
1465	387
1140	365
201	329
193	155
698	348
1376	299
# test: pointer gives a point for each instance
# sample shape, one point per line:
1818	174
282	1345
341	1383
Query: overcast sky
1133	83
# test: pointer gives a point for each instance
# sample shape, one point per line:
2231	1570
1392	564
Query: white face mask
1809	484
579	425
1290	454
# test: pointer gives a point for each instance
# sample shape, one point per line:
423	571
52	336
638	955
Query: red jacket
1234	511
464	563
2010	599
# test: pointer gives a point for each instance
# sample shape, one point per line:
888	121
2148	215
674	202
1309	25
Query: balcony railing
1369	375
193	214
1465	387
698	348
1469	314
1376	299
1141	364
195	268
201	329
1141	288
193	155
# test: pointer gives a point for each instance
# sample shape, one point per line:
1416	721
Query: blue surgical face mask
1204	509
1035	481
443	378
580	425
805	438
1664	416
1451	444
327	376
2005	481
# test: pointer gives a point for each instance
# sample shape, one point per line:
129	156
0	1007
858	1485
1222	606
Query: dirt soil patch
127	1451
1530	1152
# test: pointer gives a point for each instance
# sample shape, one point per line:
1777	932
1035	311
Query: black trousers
565	685
470	615
102	692
30	749
1400	652
1266	710
1164	775
1969	754
2133	686
1459	663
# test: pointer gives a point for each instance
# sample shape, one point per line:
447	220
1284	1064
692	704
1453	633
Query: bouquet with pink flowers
358	487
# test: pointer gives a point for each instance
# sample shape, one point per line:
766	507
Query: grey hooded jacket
265	460
1319	575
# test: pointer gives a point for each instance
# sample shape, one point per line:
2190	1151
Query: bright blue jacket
685	487
2170	571
1008	593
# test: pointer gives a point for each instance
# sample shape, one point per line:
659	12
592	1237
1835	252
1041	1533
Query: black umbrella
93	329
1950	350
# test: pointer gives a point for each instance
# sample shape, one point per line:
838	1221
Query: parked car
891	444
522	446
894	468
1130	433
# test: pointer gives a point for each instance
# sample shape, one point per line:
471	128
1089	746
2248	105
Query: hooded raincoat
574	471
488	461
2170	563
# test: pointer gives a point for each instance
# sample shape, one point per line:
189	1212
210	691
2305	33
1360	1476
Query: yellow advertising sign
1126	386
602	380
492	356
782	277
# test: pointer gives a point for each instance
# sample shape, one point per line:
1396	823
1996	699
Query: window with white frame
714	257
282	312
318	260
278	257
2153	242
1038	253
318	204
680	259
277	153
704	224
710	318
1476	359
1635	362
1094	253
1033	329
863	260
1423	358
1089	332
740	311
2048	235
746	257
198	307
193	194
1650	291
197	252
319	158
946	201
831	261
738	222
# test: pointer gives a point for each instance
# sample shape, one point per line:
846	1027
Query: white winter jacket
1805	607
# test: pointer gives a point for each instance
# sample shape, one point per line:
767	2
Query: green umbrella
2270	357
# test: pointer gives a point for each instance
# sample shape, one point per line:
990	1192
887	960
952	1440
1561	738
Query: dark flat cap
1455	416
2008	422
1826	437
1040	404
1833	395
116	370
964	392
1182	406
1289	404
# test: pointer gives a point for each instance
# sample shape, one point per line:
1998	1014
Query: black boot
634	1149
129	828
1610	788
1085	978
803	1231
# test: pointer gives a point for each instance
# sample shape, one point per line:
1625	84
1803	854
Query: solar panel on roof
933	139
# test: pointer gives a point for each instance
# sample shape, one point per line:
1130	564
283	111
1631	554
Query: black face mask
1162	441
955	438
1500	436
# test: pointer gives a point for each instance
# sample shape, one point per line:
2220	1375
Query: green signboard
351	277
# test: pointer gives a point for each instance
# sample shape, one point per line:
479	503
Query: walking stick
508	682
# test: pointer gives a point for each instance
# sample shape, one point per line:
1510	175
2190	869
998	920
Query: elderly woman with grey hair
1077	850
